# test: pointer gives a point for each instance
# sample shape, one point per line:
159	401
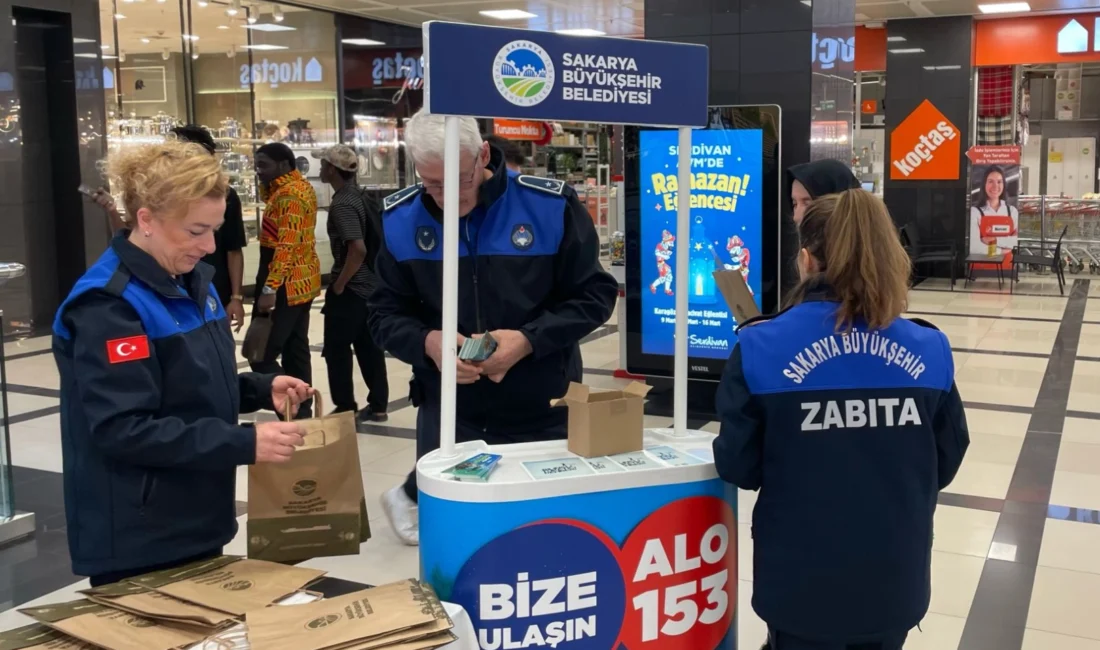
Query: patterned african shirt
290	217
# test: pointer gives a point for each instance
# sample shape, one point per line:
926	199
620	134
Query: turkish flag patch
134	348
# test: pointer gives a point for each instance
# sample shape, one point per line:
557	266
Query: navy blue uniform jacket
849	439
529	261
150	441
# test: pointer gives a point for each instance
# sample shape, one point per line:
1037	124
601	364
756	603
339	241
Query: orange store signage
518	129
925	147
1058	38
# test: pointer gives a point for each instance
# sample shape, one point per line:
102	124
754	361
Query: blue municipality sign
479	71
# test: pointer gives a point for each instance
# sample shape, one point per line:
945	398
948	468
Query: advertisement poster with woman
994	192
725	233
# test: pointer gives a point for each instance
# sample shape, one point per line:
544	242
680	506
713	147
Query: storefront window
383	87
144	69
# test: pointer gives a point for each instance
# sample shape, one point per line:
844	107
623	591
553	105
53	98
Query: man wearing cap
354	234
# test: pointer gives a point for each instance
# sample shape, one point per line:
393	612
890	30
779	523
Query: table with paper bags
313	505
230	603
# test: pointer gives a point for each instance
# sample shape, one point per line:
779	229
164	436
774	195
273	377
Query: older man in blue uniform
529	274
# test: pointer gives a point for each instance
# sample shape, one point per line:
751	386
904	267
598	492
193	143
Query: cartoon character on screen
664	271
739	258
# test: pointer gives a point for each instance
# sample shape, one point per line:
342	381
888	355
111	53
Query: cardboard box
737	295
607	422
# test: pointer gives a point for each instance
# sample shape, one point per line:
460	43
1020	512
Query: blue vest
527	220
161	318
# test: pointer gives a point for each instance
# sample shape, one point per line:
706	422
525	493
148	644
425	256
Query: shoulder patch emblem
548	185
426	239
397	198
522	236
212	304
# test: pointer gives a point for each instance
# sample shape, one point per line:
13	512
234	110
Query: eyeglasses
465	184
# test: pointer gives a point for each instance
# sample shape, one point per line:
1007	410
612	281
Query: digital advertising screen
733	226
726	192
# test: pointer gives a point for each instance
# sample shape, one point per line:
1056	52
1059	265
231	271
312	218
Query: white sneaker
404	515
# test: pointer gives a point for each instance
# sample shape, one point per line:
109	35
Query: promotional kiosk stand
555	550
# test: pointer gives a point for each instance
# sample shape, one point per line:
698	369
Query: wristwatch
236	297
267	291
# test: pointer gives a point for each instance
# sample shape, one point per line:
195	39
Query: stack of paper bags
404	615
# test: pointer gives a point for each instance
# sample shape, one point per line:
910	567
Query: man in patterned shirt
289	277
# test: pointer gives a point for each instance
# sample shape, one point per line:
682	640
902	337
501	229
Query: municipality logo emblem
523	73
522	237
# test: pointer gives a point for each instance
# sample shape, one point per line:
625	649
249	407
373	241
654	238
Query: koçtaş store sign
275	73
925	147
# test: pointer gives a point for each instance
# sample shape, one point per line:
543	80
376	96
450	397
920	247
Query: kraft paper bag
229	584
113	629
313	505
39	637
155	605
429	635
346	622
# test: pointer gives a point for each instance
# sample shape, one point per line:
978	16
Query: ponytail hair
860	258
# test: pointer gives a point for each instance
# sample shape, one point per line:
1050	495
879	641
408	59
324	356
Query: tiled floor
1016	558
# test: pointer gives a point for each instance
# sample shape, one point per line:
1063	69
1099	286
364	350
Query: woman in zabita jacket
846	418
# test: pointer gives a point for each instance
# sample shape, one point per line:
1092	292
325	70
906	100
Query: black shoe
369	415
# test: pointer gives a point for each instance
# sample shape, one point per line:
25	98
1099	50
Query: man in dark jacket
529	274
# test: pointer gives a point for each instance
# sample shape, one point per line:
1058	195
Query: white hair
425	134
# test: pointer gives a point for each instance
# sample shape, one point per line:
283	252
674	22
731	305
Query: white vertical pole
450	288
683	253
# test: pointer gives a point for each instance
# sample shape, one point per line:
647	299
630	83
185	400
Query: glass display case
13	524
378	145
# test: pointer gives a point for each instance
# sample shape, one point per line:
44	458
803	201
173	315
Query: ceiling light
507	14
195	53
266	46
942	67
122	57
252	19
119	16
366	42
895	39
108	56
203	4
277	14
145	40
165	54
1004	8
807	3
907	50
190	37
223	26
234	8
269	27
85	55
104	47
83	40
583	31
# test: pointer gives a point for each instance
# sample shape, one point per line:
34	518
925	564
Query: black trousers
781	641
118	576
346	329
290	340
427	437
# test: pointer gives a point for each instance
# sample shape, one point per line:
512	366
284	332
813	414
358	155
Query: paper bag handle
318	404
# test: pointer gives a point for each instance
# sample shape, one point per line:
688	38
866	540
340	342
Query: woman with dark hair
992	218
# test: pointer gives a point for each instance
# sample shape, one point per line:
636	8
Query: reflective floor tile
1065	602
